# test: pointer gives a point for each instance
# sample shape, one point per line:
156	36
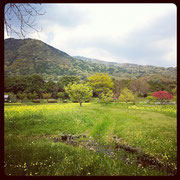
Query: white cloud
112	32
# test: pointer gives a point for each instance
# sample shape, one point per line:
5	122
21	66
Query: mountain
29	56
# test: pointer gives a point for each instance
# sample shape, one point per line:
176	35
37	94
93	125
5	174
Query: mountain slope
30	56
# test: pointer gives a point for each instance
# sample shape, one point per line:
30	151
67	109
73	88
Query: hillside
29	56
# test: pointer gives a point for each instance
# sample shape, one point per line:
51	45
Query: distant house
6	98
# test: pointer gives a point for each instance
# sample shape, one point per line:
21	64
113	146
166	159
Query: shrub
106	97
162	96
46	96
126	96
12	97
61	95
36	101
21	96
32	96
150	99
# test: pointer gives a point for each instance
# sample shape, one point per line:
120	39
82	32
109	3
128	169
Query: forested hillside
30	56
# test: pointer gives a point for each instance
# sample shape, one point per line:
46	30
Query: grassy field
31	130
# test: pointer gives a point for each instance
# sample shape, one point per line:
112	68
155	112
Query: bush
21	96
61	95
126	96
175	99
106	97
36	101
12	97
32	96
162	96
46	96
150	99
75	101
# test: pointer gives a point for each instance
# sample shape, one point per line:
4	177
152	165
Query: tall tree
119	85
126	96
140	86
65	80
100	83
78	92
35	83
21	96
32	96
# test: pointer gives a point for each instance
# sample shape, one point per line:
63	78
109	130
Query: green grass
29	130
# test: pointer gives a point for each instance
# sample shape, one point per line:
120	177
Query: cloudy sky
126	33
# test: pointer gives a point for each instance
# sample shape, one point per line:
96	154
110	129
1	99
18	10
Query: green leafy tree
119	85
46	95
65	80
51	87
175	99
21	96
32	96
61	95
15	84
174	91
12	97
150	99
126	96
35	83
79	92
163	84
107	97
100	83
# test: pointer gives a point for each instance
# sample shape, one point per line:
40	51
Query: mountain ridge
28	56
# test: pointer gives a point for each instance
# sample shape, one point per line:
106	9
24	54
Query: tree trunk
80	103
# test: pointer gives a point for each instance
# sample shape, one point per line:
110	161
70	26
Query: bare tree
139	86
24	15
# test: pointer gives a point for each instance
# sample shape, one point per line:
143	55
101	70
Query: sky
137	33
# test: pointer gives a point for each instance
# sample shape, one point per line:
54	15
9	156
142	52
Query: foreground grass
28	150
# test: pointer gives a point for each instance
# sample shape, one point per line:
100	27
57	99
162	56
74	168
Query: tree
61	95
32	96
100	83
162	96
150	99
47	95
174	91
79	92
126	96
107	97
12	97
50	87
163	84
15	84
21	96
118	85
65	80
35	83
24	14
139	86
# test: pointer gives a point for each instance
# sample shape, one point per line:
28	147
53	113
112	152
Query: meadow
33	145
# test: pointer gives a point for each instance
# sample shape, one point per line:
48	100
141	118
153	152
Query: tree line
98	85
